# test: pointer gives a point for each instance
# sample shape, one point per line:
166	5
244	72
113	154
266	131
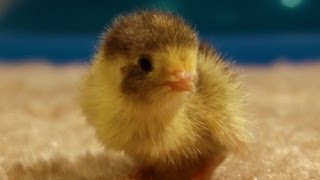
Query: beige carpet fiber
44	136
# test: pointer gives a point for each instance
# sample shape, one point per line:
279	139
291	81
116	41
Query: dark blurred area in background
247	31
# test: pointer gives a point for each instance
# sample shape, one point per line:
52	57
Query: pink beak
183	81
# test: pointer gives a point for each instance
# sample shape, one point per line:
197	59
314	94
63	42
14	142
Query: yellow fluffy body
179	131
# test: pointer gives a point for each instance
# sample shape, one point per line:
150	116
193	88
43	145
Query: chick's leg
206	170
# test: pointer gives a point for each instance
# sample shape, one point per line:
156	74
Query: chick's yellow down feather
157	93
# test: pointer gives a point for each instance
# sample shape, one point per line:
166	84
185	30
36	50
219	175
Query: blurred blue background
246	31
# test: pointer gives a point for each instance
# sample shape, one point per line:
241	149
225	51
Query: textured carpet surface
44	136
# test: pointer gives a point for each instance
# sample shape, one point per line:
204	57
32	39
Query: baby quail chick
157	93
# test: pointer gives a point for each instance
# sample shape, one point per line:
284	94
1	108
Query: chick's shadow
107	165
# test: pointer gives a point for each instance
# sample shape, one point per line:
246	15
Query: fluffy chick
167	100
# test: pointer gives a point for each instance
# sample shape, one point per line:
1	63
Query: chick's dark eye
145	64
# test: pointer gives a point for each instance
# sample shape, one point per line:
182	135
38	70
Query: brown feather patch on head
144	31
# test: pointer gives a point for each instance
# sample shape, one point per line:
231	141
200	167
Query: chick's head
154	53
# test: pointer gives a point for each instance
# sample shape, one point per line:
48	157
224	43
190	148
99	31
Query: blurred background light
291	3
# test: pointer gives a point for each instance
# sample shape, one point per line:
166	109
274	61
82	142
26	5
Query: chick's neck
161	111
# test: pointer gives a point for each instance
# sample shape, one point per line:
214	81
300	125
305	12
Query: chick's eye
145	64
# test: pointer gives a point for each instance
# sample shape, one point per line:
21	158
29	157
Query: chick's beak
181	81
